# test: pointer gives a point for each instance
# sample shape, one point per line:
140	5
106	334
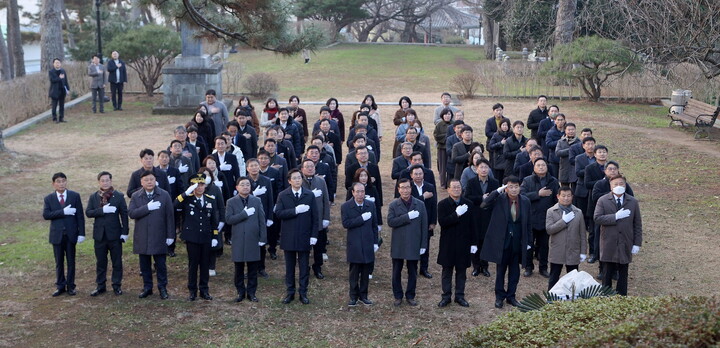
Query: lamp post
99	38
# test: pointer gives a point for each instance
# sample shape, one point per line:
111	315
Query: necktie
297	195
149	196
62	200
619	205
513	211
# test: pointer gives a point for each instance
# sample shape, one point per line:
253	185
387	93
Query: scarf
271	113
106	195
568	209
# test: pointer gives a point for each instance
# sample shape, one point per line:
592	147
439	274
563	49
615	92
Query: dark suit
64	232
374	171
59	88
116	85
432	216
249	147
399	164
594	172
428	175
474	192
296	231
199	227
539	206
160	176
457	234
107	229
234	172
534	119
506	241
361	237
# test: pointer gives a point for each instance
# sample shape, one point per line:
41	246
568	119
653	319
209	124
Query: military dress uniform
199	228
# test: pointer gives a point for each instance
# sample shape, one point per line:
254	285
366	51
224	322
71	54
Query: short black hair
402	181
563	189
294	97
600	147
270	140
467	129
291	172
458	123
263	152
416	166
482	160
144	152
415	153
445	94
192	129
586	130
104	172
164	152
220	137
586	139
58	175
518	122
175	141
613	163
242	178
542	96
512	179
146	173
498	106
570	124
312	147
210	92
324	108
231	123
405	98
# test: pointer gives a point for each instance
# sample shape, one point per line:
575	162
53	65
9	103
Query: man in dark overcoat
361	222
477	189
152	209
458	238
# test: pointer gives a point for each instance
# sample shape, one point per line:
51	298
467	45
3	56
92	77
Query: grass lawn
675	179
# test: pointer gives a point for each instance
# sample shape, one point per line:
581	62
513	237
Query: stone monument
193	73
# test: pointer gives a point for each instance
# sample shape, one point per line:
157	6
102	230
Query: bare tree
51	41
380	11
414	12
565	22
15	48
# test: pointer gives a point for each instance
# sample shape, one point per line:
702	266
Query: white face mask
207	180
619	190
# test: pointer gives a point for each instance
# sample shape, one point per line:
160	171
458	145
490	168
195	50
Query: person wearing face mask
618	216
547	124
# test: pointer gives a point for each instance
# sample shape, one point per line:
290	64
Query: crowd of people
256	180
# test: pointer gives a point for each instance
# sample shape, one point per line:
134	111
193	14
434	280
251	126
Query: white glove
124	237
259	191
261	244
375	248
582	258
635	249
567	217
213	243
169	241
218	183
422	251
622	213
109	209
313	241
302	208
269	223
225	167
171	180
317	192
220	226
157	183
325	223
152	205
191	189
529	247
69	210
461	209
379	228
413	214
183	168
501	188
82	239
249	211
366	216
369	199
473	249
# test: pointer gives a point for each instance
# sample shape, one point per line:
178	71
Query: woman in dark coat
336	115
362	176
204	124
495	146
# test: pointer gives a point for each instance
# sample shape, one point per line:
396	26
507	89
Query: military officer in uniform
199	221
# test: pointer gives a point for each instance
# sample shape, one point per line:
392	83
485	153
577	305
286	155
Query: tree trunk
120	8
135	10
51	41
379	33
565	22
5	69
68	23
489	36
14	38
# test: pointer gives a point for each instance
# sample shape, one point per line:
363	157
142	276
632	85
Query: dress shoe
164	294
513	302
240	298
63	121
145	293
397	302
411	301
461	301
119	109
352	303
98	291
205	296
192	296
600	276
475	272
498	303
58	292
102	112
544	273
273	255
592	259
426	274
171	254
485	272
319	275
366	302
528	272
117	291
288	299
252	298
228	242
263	274
444	302
304	299
72	292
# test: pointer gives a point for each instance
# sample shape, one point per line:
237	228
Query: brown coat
567	241
617	237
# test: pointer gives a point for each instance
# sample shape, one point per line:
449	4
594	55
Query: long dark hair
373	105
